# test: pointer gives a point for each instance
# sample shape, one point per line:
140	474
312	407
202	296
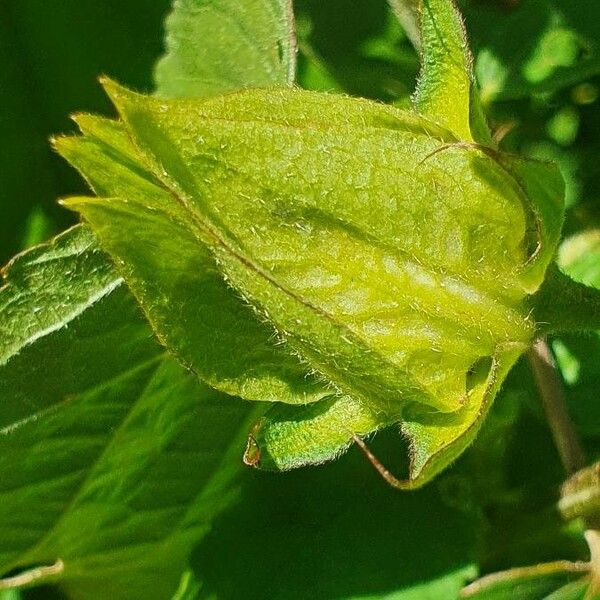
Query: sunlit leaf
342	257
287	437
185	298
446	91
113	458
217	47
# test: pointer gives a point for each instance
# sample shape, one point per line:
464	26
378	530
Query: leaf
218	47
24	320
287	437
437	440
238	355
579	256
398	331
413	347
113	458
363	225
446	90
186	300
337	532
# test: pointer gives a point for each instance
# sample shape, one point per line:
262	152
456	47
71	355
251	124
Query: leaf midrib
504	312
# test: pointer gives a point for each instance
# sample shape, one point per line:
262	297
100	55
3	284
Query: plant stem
552	394
407	12
579	493
593	539
32	575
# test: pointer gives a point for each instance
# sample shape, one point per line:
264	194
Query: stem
593	539
32	576
407	12
385	473
579	494
552	394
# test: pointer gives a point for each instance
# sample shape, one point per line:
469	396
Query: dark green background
338	529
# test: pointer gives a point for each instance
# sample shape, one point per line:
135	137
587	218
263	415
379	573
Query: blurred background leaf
358	47
579	355
337	531
552	44
51	54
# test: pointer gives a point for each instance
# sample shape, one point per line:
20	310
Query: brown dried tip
252	452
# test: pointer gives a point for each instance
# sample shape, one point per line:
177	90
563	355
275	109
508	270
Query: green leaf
217	47
265	247
113	458
400	322
287	437
579	256
428	325
446	92
186	300
23	319
223	342
337	531
436	440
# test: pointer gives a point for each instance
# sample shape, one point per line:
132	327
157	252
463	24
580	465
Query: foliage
285	270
